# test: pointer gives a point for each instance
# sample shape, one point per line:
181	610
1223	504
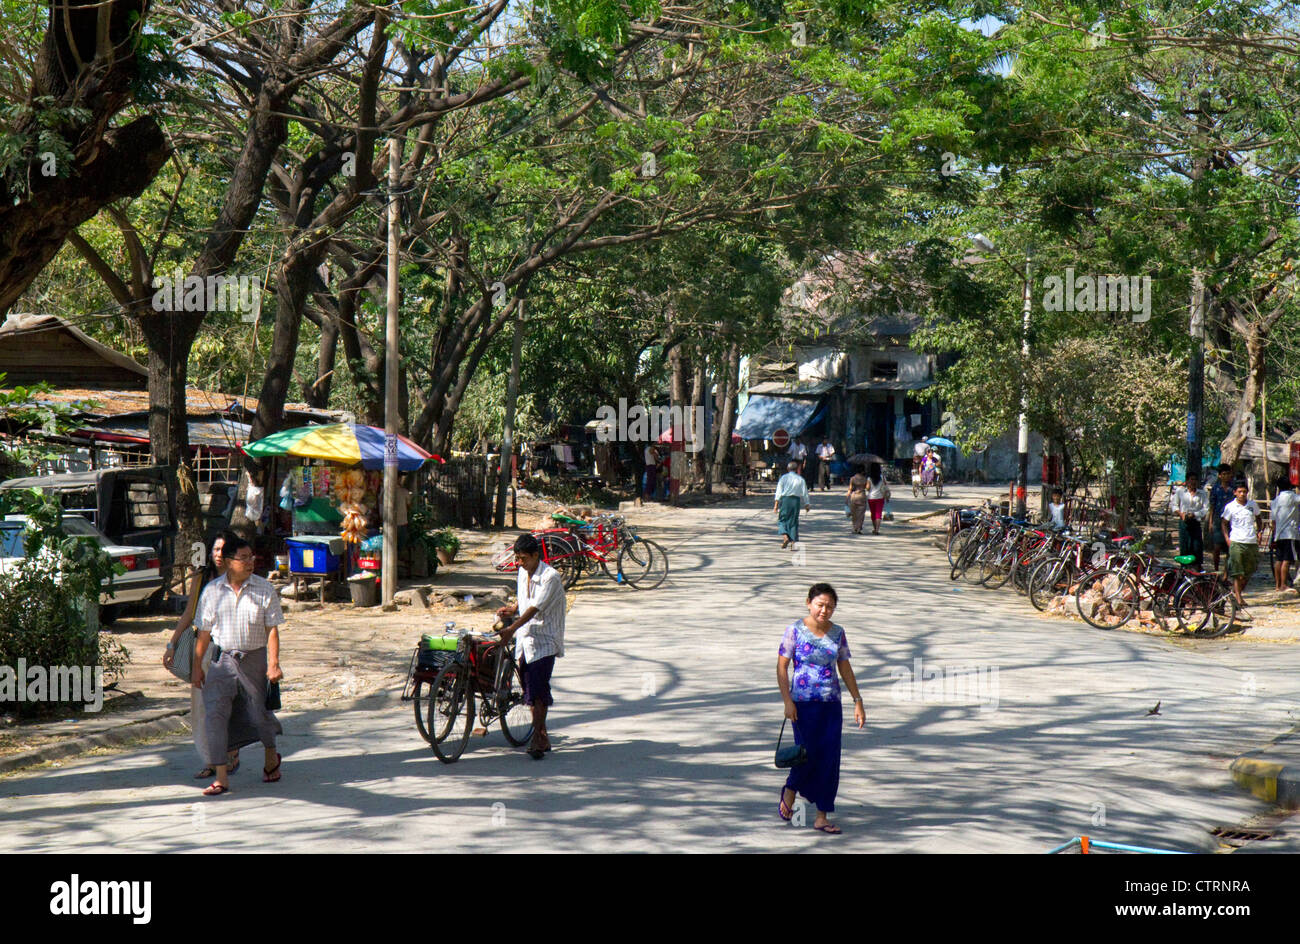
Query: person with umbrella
791	495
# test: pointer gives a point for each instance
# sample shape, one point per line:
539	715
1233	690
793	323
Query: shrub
47	595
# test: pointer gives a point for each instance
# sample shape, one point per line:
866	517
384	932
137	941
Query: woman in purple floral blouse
816	648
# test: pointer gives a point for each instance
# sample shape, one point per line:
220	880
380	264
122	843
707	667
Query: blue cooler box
315	555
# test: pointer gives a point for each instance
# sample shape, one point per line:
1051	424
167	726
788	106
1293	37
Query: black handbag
791	756
273	696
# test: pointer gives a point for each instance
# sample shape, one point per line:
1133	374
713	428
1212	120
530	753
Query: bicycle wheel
956	542
972	559
563	553
450	699
914	490
1206	608
516	716
656	565
1107	599
420	696
995	569
1049	580
938	488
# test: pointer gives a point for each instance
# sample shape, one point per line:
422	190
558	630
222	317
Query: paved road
667	713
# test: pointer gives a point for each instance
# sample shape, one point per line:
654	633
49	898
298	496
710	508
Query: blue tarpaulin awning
762	416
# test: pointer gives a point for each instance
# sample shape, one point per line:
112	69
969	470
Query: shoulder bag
792	755
183	657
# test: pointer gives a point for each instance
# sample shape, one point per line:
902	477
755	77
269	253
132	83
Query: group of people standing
1225	518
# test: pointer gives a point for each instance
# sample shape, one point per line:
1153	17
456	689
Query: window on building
884	370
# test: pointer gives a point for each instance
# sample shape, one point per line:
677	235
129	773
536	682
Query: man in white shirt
1241	521
791	495
240	613
538	619
798	452
825	453
1285	533
1191	505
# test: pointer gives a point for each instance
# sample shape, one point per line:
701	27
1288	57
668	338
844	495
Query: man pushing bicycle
538	619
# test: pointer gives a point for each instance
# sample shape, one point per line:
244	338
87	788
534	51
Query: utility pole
1196	367
1022	470
389	558
512	394
1196	374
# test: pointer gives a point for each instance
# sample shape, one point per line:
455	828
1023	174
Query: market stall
334	496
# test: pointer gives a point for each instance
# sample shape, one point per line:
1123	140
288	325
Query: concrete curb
1272	773
163	722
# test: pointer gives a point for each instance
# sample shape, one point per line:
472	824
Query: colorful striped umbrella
345	443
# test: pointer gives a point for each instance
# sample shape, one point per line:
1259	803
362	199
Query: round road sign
780	438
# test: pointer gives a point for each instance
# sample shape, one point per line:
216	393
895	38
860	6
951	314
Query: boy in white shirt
1241	521
1056	510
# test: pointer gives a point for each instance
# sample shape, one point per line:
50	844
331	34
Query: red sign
780	438
1295	463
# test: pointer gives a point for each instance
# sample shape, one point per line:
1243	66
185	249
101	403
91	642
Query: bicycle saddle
1185	559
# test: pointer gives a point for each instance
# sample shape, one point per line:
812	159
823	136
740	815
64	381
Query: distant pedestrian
798	453
877	494
857	499
538	619
1220	496
812	651
1285	533
791	495
1192	506
825	455
239	613
1240	526
651	478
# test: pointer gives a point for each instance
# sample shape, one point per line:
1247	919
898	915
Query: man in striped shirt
538	619
240	614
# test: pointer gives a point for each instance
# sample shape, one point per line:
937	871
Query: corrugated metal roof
202	403
892	385
794	388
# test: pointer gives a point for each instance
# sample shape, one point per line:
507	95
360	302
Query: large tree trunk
725	421
169	441
696	459
1230	448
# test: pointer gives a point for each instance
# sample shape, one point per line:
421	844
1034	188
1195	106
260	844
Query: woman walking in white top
877	494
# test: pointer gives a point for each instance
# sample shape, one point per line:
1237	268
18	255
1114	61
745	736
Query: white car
143	577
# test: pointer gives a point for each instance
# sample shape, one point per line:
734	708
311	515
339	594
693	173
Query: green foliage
46	594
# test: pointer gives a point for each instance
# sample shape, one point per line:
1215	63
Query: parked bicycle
1108	579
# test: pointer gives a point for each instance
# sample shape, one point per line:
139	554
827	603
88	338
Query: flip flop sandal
272	775
215	790
829	828
536	753
783	809
205	773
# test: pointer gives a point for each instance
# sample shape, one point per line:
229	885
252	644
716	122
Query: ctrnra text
1200	885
